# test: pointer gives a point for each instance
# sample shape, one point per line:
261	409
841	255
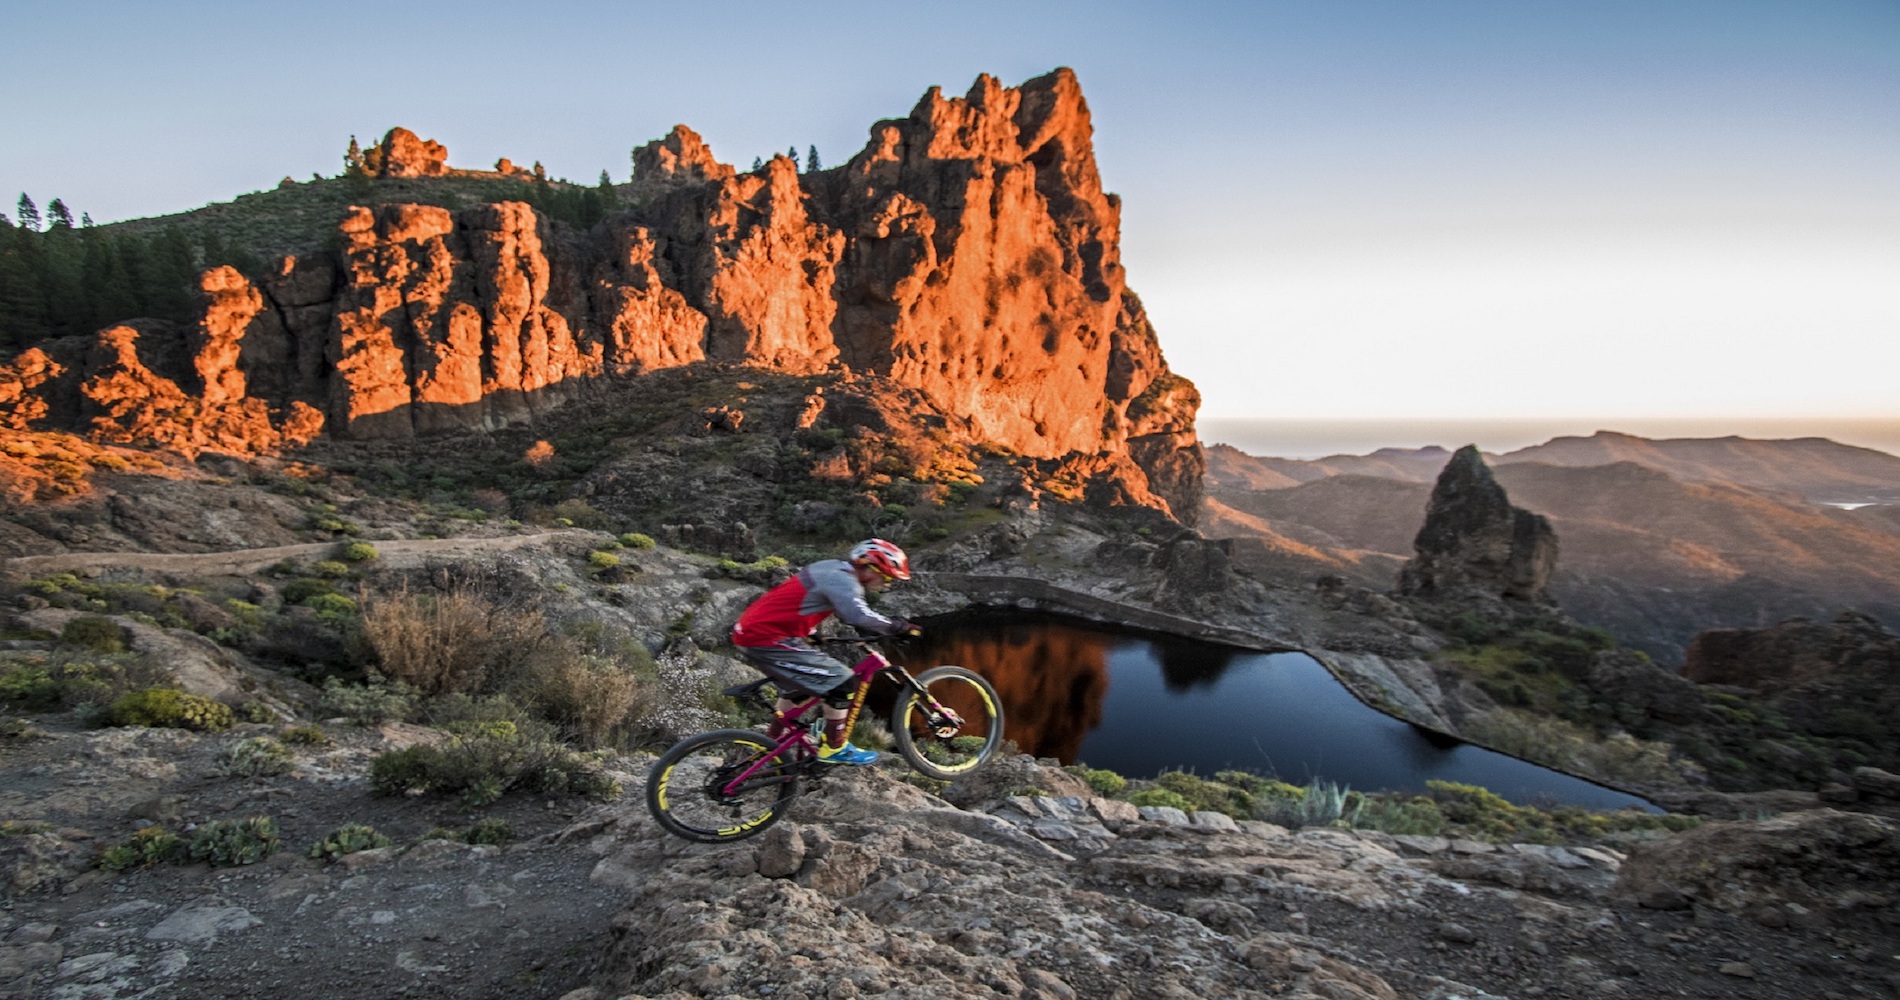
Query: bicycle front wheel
950	744
720	786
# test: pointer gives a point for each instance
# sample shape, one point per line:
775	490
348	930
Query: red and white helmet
882	556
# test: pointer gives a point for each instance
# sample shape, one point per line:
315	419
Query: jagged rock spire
1475	541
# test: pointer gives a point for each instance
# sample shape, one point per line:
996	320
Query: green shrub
636	540
492	729
757	571
1397	814
41	683
304	736
99	634
490	831
1481	810
148	846
234	842
1222	796
577	513
357	552
304	588
331	605
20	729
1471	629
367	704
1160	797
601	560
1104	782
330	568
255	712
29	687
348	839
168	708
257	756
483	768
1320	803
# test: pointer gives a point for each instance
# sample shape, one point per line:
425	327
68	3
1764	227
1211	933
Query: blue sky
1333	209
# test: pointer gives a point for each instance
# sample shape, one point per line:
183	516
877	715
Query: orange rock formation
968	252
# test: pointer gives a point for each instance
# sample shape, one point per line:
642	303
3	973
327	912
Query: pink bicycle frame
800	738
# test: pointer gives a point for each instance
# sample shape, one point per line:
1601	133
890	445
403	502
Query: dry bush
457	641
592	697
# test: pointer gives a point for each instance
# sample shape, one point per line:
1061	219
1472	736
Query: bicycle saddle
746	690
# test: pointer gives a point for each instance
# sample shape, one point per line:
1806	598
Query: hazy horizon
1308	439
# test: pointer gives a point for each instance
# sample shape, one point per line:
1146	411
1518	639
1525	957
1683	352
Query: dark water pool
1139	704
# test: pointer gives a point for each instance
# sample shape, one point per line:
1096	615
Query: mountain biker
772	636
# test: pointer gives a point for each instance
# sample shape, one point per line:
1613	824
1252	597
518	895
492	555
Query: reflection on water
1050	676
1140	704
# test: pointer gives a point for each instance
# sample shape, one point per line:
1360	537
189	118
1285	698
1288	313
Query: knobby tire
953	755
685	788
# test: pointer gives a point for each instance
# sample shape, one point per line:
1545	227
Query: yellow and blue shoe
846	754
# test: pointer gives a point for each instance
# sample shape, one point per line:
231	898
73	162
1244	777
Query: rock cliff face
968	252
1475	541
1838	680
1853	649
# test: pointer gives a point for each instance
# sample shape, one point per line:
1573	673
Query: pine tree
811	160
540	173
353	160
29	213
85	219
791	153
608	196
59	215
758	163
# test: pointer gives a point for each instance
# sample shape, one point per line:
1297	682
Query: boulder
1844	866
1474	540
405	154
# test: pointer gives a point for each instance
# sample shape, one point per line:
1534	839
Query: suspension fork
873	664
941	715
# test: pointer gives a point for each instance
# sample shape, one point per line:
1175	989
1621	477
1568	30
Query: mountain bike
729	784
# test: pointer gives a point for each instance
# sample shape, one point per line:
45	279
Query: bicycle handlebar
858	637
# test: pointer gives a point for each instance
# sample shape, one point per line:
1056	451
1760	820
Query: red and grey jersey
795	608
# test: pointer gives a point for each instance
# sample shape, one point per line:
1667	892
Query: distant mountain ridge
1659	539
1818	469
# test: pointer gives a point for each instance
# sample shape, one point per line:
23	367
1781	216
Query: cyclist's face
872	579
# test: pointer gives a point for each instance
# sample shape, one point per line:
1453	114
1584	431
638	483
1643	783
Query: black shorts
797	667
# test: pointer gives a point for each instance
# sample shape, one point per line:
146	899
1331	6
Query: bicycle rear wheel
943	747
720	786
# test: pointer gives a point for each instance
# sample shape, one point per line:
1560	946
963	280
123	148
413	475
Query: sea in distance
1298	438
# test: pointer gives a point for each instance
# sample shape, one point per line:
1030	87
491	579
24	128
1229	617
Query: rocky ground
1018	885
873	887
430	918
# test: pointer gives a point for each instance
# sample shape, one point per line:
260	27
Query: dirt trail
393	554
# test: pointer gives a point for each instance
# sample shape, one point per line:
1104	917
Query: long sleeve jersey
795	608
